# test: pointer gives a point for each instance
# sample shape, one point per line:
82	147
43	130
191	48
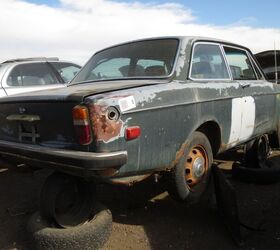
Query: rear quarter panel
167	115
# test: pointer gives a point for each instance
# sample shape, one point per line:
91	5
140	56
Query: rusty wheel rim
196	165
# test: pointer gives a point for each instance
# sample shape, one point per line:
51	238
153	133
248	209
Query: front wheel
189	178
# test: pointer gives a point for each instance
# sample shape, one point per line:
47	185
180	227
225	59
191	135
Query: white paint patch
248	117
243	114
236	116
127	103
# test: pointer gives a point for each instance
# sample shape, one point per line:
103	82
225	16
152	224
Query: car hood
77	92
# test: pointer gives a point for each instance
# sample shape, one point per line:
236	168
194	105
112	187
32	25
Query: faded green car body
167	109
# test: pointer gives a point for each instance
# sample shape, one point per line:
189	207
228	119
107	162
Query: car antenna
275	61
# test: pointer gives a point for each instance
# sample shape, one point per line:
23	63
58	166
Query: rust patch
223	147
178	156
104	129
131	180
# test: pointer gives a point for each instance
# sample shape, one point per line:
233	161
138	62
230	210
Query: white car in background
32	74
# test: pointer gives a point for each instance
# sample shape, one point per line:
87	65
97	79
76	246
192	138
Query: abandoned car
269	62
162	106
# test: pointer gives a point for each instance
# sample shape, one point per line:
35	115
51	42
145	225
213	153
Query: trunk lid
77	92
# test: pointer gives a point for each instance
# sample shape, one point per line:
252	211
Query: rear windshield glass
144	59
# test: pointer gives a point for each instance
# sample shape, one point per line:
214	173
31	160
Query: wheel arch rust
212	131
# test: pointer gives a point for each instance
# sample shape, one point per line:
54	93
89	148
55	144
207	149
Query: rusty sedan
163	106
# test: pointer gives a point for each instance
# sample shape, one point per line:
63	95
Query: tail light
82	124
132	133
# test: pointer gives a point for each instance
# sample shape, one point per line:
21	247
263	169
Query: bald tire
91	235
177	187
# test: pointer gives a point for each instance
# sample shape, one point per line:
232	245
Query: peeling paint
178	156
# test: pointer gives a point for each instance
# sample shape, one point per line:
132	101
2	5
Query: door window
239	63
208	62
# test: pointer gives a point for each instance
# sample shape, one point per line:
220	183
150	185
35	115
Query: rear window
144	59
31	74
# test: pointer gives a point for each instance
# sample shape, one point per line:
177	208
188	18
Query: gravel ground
146	218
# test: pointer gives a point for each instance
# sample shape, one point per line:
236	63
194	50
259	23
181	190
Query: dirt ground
159	223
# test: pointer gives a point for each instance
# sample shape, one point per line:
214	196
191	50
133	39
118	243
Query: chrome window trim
226	61
206	79
255	66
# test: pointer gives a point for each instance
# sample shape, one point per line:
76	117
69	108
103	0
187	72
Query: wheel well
212	130
274	140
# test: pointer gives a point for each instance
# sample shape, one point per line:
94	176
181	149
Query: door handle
245	85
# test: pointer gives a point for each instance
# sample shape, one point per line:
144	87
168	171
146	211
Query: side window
31	74
14	78
67	71
239	63
208	62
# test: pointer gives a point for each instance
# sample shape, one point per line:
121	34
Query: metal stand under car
226	197
227	204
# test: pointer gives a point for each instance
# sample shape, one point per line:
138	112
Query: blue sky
216	12
74	29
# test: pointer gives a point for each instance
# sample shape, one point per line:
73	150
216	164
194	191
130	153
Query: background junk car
269	61
32	74
162	105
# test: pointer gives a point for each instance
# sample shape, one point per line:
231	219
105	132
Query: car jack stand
227	205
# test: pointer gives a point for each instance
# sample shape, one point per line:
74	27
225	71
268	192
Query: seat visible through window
156	70
201	68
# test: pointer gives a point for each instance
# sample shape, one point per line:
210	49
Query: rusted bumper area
73	162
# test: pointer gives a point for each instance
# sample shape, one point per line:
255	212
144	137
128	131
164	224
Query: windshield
144	59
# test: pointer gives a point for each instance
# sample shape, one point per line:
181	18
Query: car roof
30	59
267	58
34	60
181	38
268	53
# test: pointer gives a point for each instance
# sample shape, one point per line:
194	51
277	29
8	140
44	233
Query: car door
27	77
256	108
219	96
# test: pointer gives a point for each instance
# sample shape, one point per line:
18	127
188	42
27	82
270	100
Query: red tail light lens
132	133
82	124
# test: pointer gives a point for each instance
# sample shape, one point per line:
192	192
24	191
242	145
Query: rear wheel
190	177
257	152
